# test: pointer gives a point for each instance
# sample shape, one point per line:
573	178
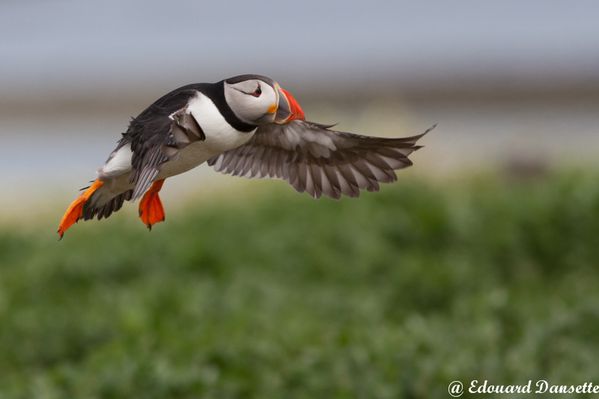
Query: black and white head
259	100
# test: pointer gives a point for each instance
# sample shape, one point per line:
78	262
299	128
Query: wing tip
430	129
421	135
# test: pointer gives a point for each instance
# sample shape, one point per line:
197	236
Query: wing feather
157	135
318	160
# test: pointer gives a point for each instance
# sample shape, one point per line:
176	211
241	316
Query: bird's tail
95	201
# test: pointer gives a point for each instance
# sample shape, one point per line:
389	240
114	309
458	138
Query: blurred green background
479	263
392	295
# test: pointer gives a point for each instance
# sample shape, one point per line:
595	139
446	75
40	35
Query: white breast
220	137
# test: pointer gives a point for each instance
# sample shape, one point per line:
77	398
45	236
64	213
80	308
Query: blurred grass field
393	295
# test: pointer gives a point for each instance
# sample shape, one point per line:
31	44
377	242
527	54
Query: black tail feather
90	211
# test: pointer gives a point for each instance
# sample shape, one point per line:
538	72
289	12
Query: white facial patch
250	100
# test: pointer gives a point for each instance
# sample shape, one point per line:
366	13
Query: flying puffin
247	125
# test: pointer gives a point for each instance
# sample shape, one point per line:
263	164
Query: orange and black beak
288	108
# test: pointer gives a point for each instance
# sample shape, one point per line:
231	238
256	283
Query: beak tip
289	109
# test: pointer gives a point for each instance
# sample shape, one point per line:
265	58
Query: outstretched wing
157	134
318	160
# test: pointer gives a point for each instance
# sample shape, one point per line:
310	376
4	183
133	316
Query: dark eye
257	92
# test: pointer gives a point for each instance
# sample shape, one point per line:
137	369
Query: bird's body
116	172
246	125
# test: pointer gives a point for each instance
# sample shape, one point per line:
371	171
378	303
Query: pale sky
64	45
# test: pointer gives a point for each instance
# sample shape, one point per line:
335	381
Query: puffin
247	125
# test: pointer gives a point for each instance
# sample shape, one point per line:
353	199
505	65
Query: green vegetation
390	296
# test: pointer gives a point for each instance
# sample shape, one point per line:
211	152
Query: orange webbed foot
75	211
150	206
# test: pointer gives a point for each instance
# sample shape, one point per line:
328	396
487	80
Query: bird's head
259	100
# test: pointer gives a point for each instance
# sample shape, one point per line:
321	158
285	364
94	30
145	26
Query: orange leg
150	207
75	211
